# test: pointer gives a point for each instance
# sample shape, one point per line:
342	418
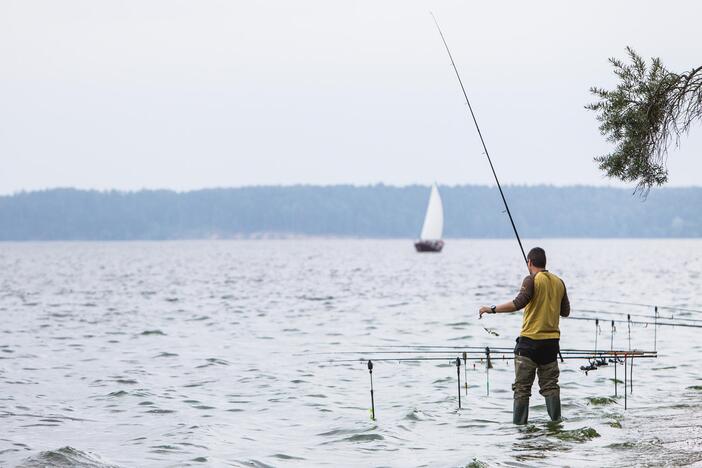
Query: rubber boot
553	406
520	413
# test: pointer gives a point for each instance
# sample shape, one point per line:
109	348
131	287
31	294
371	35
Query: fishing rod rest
458	374
370	372
465	370
488	366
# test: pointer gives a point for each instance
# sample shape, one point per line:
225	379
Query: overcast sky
192	94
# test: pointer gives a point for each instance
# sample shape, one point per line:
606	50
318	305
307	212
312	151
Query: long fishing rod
637	322
480	134
450	359
652	317
418	349
638	304
449	349
477	348
501	353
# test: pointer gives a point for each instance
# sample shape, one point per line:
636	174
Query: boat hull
429	246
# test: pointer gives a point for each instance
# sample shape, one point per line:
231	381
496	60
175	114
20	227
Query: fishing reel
590	367
594	364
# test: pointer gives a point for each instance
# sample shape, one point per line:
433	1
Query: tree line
377	211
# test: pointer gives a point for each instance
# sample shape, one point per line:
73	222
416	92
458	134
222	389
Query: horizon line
351	185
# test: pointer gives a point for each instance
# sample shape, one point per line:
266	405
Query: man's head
536	259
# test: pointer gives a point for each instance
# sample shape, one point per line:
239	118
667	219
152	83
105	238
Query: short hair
537	255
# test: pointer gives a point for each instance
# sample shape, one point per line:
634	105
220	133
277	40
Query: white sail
434	220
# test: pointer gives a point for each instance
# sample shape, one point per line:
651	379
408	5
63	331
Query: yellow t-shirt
542	313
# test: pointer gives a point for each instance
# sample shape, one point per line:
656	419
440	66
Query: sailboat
433	227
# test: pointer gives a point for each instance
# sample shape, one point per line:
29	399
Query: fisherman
544	299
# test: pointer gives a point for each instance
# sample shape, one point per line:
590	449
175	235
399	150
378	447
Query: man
546	300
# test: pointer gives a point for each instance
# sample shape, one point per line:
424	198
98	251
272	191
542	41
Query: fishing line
480	134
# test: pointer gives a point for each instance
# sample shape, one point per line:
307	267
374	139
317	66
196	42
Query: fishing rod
638	304
449	356
451	349
652	317
450	359
417	349
423	351
480	134
638	322
475	348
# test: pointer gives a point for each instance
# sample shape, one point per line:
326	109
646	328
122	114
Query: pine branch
650	109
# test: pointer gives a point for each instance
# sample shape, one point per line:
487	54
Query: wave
66	457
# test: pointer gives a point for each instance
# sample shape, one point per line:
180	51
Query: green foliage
649	108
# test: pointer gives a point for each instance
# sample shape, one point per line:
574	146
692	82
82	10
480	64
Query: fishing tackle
594	364
590	367
595	359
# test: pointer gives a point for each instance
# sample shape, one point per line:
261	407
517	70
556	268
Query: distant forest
377	211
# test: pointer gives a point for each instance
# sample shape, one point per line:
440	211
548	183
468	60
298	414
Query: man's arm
565	303
525	294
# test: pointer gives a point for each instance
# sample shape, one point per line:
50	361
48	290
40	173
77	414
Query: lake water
215	353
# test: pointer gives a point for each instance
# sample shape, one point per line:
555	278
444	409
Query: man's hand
484	310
